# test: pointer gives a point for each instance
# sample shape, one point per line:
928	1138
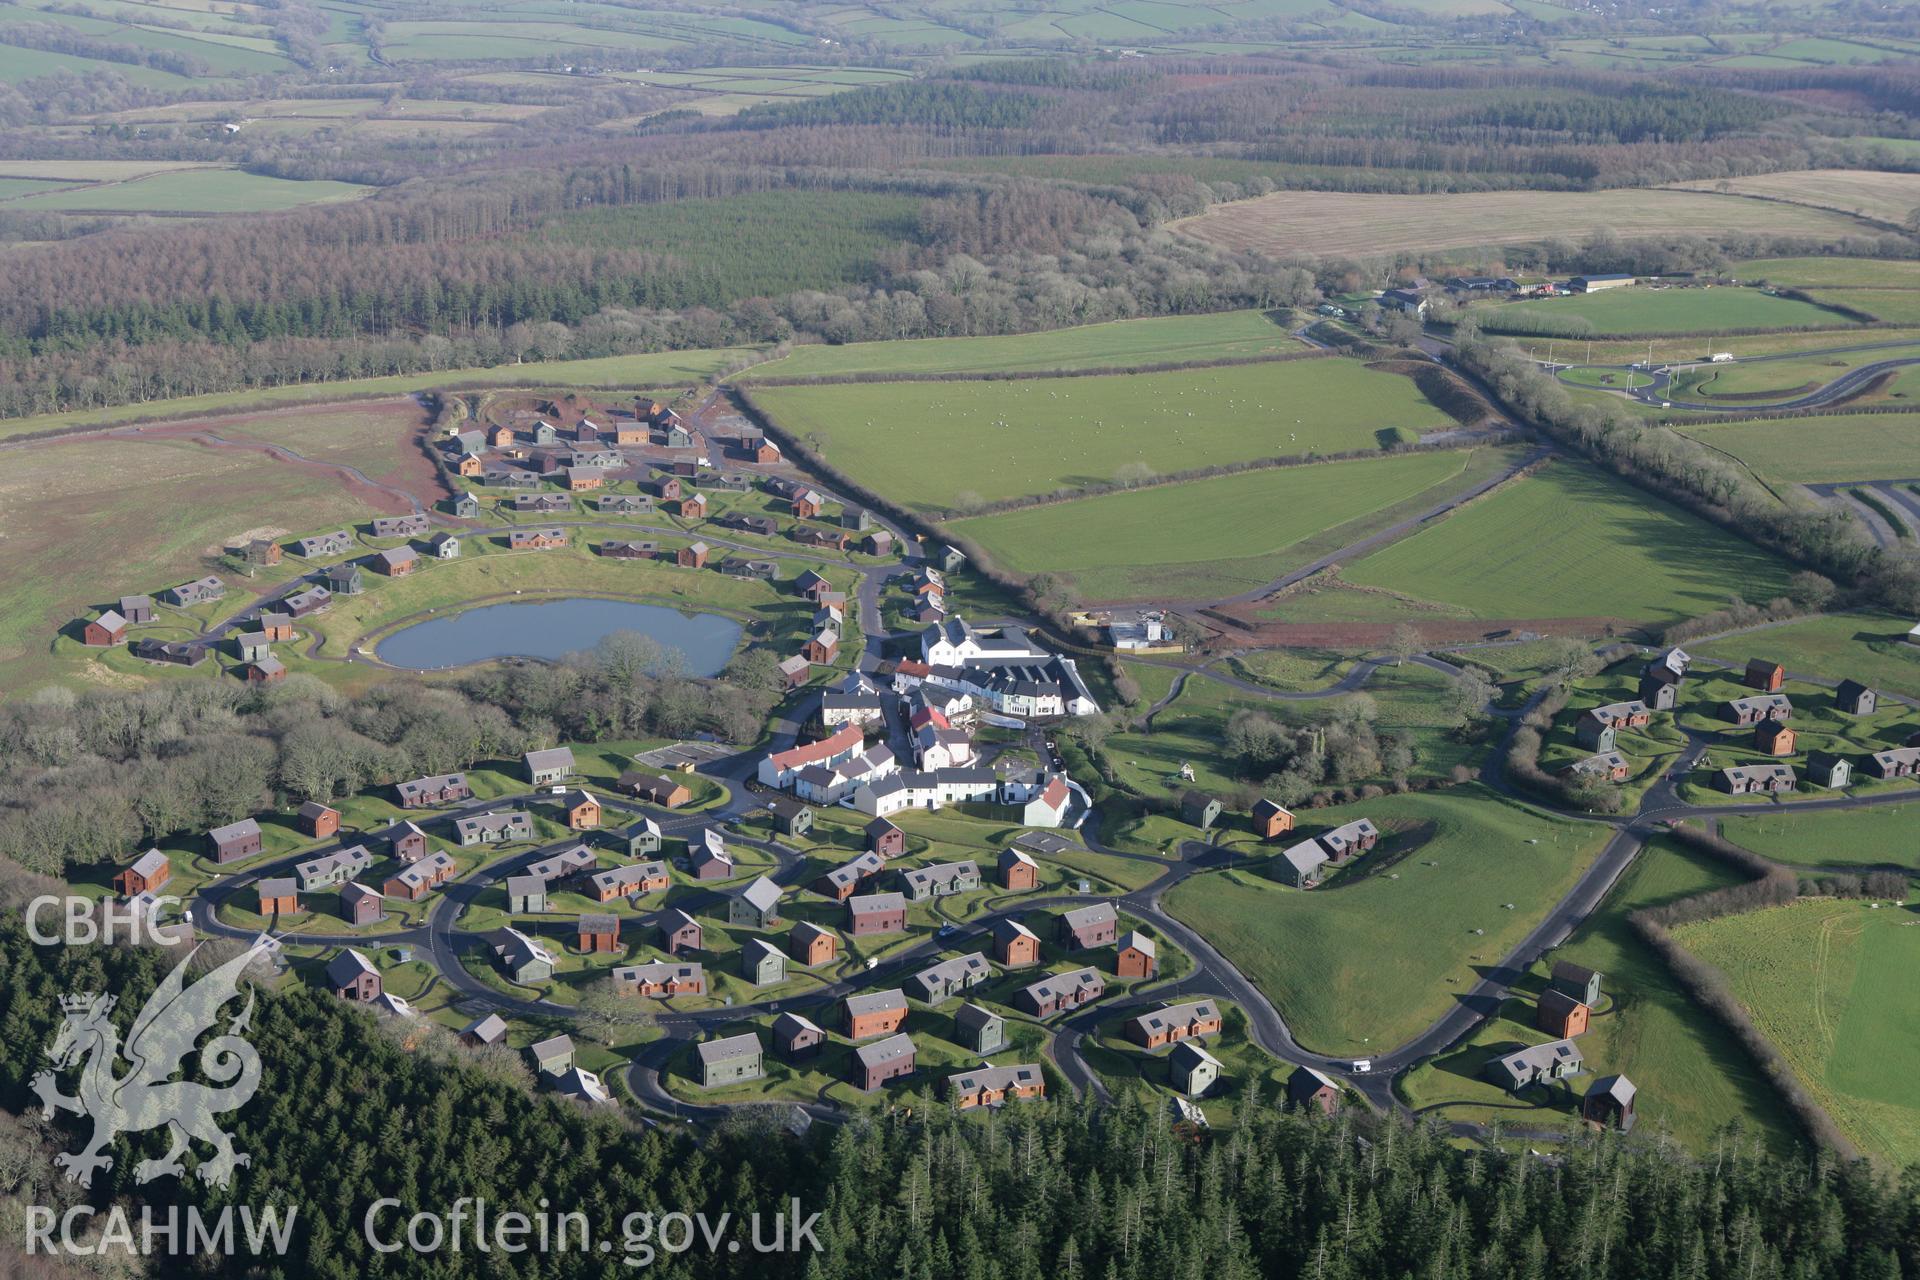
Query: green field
1624	312
1693	1077
1876	837
196	191
1857	273
1860	646
1159	340
1824	449
1894	306
1570	542
948	445
1830	983
192	500
17	64
1234	532
1362	967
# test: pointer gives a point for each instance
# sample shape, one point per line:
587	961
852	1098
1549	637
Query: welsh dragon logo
162	1037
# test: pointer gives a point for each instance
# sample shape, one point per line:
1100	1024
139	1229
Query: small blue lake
555	628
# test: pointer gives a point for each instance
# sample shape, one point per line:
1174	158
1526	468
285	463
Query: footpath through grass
1830	983
1360	967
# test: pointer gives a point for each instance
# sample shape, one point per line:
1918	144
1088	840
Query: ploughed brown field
1342	224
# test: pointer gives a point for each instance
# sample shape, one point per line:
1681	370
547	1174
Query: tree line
84	778
356	1108
1821	538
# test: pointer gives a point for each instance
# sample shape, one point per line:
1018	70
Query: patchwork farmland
1234	532
946	446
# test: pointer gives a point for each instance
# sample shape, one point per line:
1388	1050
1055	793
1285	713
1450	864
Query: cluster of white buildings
1001	668
844	769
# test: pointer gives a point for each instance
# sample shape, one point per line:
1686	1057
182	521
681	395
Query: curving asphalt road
1213	974
1841	388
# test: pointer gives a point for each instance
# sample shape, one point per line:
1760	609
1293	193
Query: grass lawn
1861	646
1694	1078
1157	340
1292	669
1855	273
1894	306
1569	541
1859	838
1623	312
1689	350
944	446
1234	532
193	191
1830	984
1367	964
1827	449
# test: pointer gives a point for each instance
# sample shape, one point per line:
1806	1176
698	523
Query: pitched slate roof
488	1029
881	1052
762	895
876	1002
149	864
1087	917
712	1052
1164	1019
346	967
